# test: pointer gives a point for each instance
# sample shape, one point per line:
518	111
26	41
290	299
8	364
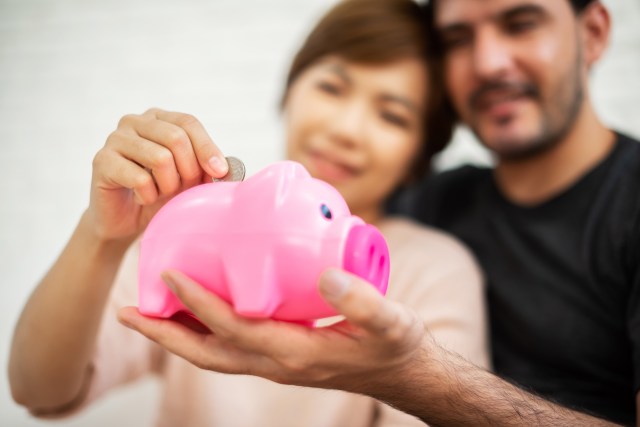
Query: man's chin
514	146
518	150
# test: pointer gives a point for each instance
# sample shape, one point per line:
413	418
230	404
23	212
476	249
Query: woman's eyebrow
388	97
340	71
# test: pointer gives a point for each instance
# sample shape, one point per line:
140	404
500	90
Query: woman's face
357	127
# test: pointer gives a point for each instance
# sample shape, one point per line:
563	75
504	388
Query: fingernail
219	166
124	321
335	283
168	280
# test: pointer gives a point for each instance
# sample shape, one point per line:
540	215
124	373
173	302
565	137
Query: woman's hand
378	339
148	159
145	161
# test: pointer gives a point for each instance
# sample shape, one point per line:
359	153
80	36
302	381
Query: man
556	225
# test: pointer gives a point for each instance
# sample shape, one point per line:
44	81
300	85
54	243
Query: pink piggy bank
260	244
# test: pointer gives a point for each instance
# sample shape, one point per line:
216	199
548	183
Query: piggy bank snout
367	255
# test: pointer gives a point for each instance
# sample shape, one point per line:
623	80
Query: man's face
513	69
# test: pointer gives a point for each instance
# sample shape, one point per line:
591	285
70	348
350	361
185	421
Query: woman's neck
370	215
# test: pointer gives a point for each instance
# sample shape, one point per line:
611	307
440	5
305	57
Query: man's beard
559	114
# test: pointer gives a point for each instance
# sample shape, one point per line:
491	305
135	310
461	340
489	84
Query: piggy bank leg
254	290
155	299
195	257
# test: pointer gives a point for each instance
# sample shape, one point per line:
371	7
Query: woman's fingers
207	153
158	160
124	173
174	147
176	140
148	159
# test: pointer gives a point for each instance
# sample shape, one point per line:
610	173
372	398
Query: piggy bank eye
326	212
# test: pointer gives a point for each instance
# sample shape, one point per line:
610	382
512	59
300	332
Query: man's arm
380	350
441	388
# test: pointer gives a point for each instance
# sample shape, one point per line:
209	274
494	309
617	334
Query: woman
357	115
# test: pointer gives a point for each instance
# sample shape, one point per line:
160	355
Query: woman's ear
595	24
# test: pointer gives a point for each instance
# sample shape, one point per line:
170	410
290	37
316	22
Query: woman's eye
330	88
395	119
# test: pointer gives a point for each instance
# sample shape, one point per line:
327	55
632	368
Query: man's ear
596	27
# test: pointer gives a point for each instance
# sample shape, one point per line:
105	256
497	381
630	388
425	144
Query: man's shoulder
626	138
462	178
627	147
443	192
623	165
455	188
624	174
630	147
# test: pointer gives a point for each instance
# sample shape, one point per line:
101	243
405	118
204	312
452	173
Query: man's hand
378	337
148	159
381	350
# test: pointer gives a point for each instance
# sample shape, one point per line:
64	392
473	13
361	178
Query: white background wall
69	69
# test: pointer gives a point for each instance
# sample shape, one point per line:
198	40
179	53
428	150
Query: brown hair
376	32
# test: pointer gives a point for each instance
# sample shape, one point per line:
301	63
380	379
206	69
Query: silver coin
236	171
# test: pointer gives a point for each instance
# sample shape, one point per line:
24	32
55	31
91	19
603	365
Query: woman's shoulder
434	274
406	236
426	260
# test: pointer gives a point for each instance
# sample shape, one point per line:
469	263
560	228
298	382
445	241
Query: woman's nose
348	124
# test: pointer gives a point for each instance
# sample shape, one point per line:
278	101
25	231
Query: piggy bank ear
278	177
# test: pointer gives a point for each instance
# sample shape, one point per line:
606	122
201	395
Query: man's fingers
362	305
252	335
208	154
216	314
160	330
203	350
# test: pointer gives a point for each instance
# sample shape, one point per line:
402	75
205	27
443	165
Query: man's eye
330	88
521	26
452	42
395	119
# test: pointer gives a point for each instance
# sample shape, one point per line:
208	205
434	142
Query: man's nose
492	55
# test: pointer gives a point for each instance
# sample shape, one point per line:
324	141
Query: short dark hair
577	5
580	5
